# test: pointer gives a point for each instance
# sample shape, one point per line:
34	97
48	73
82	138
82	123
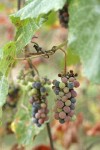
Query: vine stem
65	61
50	135
35	55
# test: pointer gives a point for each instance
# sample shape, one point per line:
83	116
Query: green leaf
72	58
7	56
38	7
84	35
25	129
3	90
25	30
52	18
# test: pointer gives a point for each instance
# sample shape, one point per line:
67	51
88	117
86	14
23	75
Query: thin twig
45	53
50	135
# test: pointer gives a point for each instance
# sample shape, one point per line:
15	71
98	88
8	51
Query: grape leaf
7	57
25	30
26	25
6	60
38	7
84	35
72	58
3	90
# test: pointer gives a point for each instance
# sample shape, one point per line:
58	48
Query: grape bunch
66	97
39	93
64	16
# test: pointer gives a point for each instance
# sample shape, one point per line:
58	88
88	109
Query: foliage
84	35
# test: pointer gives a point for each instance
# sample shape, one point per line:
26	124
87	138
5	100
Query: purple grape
42	89
73	93
35	120
66	109
70	85
64	80
72	106
61	121
37	115
59	104
56	83
43	115
73	100
68	118
68	95
56	116
39	125
56	92
71	79
38	85
62	115
76	84
71	113
41	121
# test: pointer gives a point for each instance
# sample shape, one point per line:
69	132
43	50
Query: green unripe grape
58	97
61	94
66	90
36	78
73	118
33	92
29	85
43	94
61	85
22	82
42	81
68	103
64	98
43	105
27	78
27	88
59	110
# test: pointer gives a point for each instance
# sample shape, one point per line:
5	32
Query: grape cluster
39	93
65	104
64	16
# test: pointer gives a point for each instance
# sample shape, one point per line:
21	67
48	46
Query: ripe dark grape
64	16
65	104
